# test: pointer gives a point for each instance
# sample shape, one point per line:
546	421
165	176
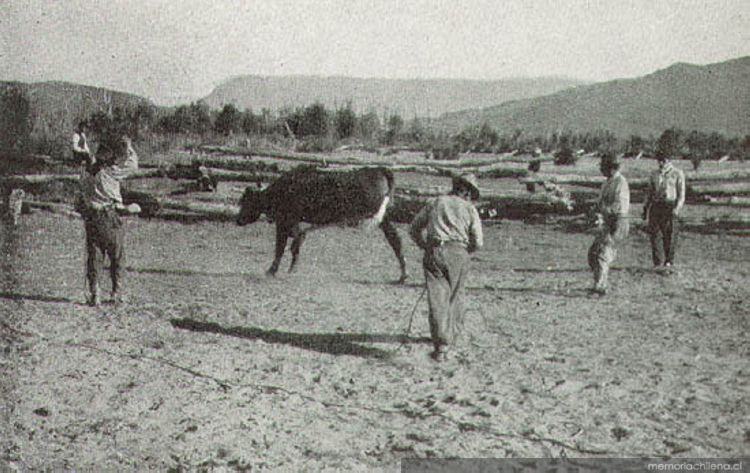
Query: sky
175	51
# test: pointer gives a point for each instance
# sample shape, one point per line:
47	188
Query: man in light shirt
101	205
612	220
665	198
80	146
101	183
448	229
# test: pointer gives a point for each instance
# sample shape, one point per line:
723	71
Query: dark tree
346	121
314	120
15	119
369	125
395	128
668	143
229	120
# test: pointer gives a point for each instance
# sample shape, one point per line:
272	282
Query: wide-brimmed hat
468	181
611	160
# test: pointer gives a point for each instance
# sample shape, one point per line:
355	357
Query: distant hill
408	97
50	110
714	97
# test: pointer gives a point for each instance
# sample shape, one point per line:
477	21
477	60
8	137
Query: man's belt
440	243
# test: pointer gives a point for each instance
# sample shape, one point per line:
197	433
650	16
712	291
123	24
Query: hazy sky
175	50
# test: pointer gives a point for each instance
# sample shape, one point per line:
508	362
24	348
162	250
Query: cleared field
209	364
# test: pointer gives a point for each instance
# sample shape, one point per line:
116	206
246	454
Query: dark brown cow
320	198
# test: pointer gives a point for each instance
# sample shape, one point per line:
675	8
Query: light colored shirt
80	145
103	188
448	218
667	185
614	197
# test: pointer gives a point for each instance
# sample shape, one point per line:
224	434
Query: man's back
450	218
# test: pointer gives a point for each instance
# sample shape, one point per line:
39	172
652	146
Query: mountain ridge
712	97
408	97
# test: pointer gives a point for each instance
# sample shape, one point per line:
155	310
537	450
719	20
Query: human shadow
395	283
550	270
420	284
627	269
191	272
33	297
573	293
188	217
329	343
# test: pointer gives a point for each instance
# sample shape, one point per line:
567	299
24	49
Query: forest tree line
317	128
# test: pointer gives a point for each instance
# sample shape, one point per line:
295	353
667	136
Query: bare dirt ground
211	365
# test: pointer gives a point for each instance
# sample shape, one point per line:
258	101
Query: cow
306	195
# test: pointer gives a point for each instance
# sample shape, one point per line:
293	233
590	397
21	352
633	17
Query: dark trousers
80	158
663	227
104	232
445	271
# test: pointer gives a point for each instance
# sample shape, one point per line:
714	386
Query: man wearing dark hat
612	220
448	229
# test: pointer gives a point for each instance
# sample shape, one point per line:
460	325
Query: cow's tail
378	218
391	183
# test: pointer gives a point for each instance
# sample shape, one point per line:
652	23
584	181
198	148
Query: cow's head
251	206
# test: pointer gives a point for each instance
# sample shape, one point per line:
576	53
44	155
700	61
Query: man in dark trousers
448	229
665	198
101	205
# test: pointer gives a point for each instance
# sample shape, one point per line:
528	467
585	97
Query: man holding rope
448	229
611	220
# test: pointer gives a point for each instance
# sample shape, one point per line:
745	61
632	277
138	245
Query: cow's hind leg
395	241
298	237
91	266
116	262
282	234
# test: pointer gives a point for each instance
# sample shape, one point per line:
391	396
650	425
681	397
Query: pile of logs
553	194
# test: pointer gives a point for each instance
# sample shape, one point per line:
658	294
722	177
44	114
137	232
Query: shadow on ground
329	343
190	272
33	297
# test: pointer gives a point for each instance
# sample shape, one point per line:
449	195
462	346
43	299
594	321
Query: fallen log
734	201
185	172
35	179
579	180
731	224
515	207
54	207
232	164
720	188
149	204
721	175
218	211
465	164
699	178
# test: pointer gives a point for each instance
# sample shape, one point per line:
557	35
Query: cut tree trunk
217	211
465	165
516	207
720	188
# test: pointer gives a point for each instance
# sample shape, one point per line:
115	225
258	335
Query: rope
406	334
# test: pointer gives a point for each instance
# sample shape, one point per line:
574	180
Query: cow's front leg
298	236
282	234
